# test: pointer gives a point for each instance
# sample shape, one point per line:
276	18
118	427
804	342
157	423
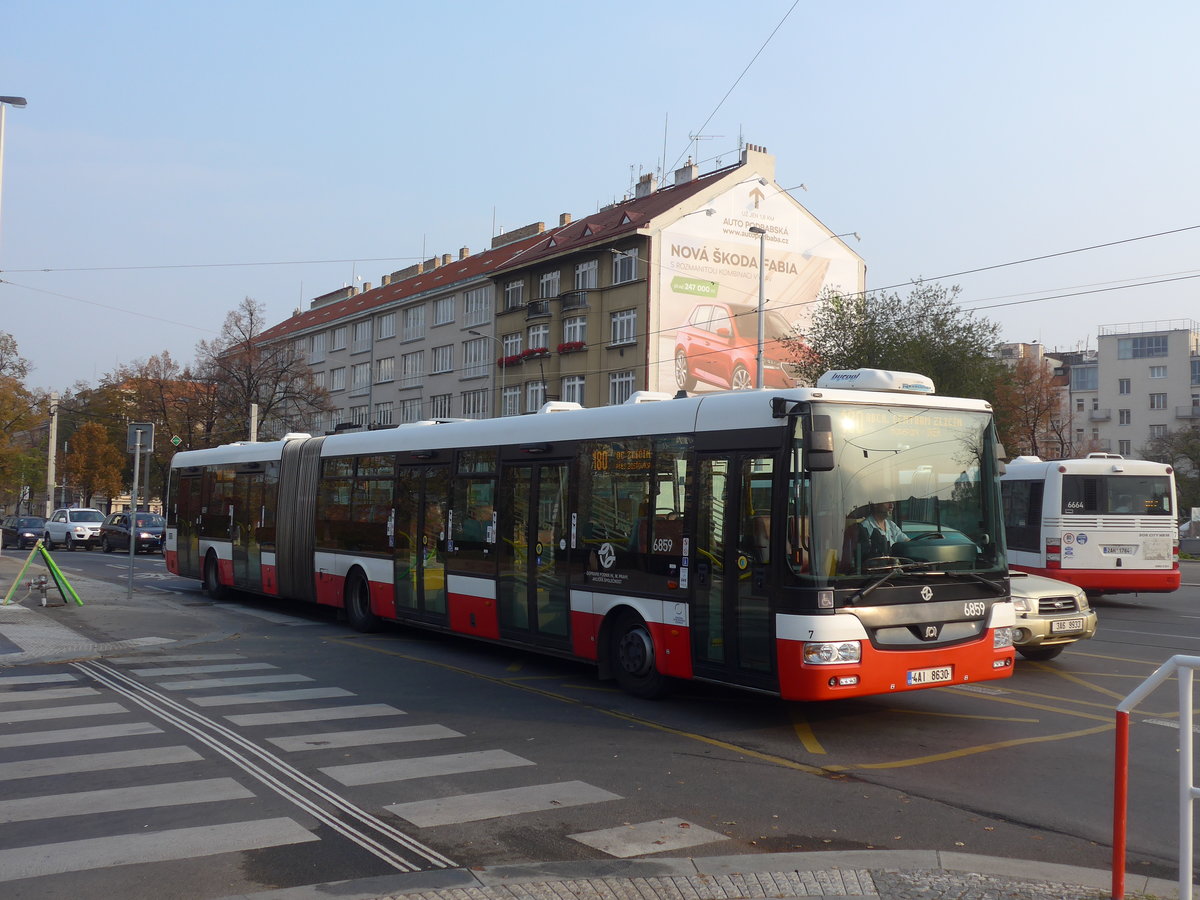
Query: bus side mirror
818	445
1001	468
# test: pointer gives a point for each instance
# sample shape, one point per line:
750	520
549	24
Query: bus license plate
935	675
1120	549
1066	626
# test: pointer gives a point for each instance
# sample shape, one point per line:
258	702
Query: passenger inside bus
475	528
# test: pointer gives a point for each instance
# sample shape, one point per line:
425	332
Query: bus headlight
820	654
1001	638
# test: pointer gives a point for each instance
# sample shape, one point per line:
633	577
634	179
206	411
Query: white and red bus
721	537
1104	523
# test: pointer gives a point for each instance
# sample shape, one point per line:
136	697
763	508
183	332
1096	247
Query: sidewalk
110	622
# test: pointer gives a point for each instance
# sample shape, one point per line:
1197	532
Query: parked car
719	345
148	528
1050	615
73	528
21	531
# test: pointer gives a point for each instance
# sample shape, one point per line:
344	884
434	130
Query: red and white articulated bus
1104	523
725	537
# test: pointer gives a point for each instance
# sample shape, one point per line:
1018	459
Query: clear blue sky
172	147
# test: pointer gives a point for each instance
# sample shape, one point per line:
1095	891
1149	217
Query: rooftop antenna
662	172
697	138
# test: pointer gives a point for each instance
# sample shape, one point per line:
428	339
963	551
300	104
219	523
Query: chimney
685	173
564	219
519	234
464	252
385	280
446	257
366	286
645	186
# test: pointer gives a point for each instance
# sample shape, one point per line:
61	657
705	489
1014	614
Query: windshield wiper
999	589
898	568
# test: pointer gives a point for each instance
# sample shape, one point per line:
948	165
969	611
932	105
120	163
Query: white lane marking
172	657
9	716
424	767
47	694
96	762
337	739
201	684
139	796
203	670
36	679
71	735
321	714
497	804
126	849
647	837
271	697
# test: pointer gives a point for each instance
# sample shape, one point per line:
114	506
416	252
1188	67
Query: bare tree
241	368
1028	406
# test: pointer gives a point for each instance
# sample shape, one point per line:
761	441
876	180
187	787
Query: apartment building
660	291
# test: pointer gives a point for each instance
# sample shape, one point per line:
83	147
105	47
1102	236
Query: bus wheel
358	604
1041	654
632	654
212	578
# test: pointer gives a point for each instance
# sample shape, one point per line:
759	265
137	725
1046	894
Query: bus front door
534	533
187	525
732	633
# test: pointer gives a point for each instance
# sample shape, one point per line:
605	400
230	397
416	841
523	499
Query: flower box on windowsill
571	346
535	353
505	361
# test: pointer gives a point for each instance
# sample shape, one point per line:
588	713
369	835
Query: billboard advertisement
705	321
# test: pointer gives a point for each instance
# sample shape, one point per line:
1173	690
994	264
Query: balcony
1187	412
537	309
574	299
1099	415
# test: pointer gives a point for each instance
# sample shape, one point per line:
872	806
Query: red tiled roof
618	219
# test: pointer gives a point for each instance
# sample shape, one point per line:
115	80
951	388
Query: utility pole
51	457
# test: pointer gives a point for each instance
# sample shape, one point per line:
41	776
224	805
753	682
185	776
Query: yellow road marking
946	715
804	731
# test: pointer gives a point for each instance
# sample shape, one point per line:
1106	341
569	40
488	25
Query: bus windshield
1140	495
911	487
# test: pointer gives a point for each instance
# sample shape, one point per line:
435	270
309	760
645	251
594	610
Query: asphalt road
406	749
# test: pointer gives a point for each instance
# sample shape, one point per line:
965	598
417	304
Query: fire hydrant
39	583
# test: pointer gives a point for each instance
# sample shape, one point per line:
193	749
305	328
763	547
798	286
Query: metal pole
133	502
51	454
762	287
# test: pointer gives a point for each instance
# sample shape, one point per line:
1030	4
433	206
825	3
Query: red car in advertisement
719	346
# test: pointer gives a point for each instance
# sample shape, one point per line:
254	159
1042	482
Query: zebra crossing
162	733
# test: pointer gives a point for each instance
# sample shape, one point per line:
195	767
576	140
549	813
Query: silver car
73	528
1050	615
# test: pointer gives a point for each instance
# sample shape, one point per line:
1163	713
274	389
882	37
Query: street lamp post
18	103
500	350
762	285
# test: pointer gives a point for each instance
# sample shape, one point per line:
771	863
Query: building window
1157	431
535	395
475	360
1158	371
548	284
383	413
316	347
443	310
1196	371
514	294
360	376
1079	404
360	415
620	387
511	343
1145	347
624	326
1158	401
575	329
1085	378
1124	447
410	410
439	406
443	359
477	306
337	338
510	400
1124	417
474	404
385	369
319	380
337	379
585	275
572	389
414	323
1123	386
385	326
412	369
625	266
539	337
361	339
